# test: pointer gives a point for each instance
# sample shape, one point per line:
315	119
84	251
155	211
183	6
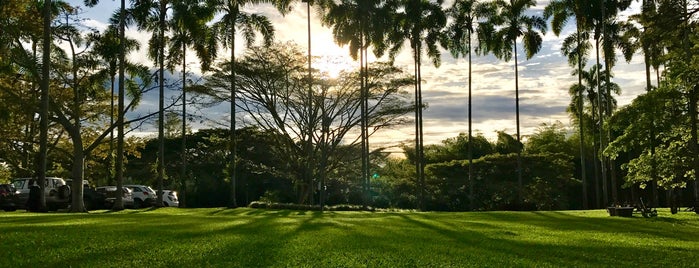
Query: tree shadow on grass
564	221
508	248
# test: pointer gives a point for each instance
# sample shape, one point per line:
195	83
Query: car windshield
150	189
19	184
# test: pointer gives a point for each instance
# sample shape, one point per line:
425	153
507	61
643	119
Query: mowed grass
245	237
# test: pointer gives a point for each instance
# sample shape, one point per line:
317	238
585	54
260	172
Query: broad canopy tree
272	94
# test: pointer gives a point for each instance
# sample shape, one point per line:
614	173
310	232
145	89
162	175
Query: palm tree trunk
309	142
422	137
694	144
608	113
583	176
651	129
161	101
418	141
600	118
595	158
363	125
232	143
612	166
184	120
471	198
367	155
519	141
118	204
110	168
44	124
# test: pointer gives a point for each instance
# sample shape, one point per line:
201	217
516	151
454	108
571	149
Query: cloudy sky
543	80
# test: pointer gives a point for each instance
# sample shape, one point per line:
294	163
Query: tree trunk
110	169
583	176
232	143
161	101
419	161
309	139
694	145
612	165
77	204
471	197
651	128
599	123
519	141
184	123
44	111
119	203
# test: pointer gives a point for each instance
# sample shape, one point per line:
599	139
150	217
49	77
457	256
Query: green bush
546	178
291	206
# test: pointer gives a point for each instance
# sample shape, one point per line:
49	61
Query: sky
543	80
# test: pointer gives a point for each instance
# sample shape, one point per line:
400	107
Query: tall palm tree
151	15
515	23
458	38
226	29
615	38
188	24
119	163
106	47
576	47
421	23
599	17
360	24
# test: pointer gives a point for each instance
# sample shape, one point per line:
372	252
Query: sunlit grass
281	238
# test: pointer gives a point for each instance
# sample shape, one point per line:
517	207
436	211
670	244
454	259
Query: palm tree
601	14
360	24
420	22
615	38
576	47
514	23
151	16
226	29
119	163
106	47
464	16
189	18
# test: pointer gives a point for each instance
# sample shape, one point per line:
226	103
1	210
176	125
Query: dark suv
8	200
92	199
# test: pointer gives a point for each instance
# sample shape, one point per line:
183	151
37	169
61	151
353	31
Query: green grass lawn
280	238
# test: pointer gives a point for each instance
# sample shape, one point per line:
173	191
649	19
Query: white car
170	199
143	196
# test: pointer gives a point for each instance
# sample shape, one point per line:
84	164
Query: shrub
291	206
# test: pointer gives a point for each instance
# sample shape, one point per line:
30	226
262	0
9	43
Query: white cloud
543	80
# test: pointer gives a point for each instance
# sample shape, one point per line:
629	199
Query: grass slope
279	238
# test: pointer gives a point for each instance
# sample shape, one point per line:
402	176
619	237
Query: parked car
170	199
110	196
8	200
92	199
143	196
56	192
